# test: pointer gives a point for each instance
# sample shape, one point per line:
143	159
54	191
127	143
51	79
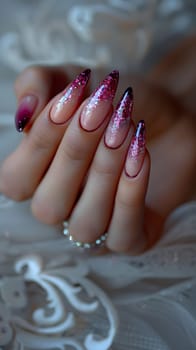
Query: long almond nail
119	125
25	111
136	152
96	110
66	105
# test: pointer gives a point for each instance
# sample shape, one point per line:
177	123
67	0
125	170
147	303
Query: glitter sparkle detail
122	113
137	147
25	111
23	122
77	86
99	103
107	89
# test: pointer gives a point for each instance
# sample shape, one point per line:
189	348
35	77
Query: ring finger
92	213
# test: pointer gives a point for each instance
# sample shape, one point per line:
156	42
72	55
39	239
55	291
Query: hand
172	125
71	162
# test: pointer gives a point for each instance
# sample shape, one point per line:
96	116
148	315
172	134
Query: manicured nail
66	105
25	111
96	110
119	125
136	152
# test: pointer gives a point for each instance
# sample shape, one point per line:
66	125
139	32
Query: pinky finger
126	229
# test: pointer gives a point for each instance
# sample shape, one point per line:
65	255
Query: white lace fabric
54	296
69	31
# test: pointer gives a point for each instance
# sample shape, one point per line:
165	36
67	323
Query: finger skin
23	170
126	229
93	211
56	194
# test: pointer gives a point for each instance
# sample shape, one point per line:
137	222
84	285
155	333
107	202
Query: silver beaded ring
97	244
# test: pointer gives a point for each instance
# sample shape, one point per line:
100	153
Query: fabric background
51	295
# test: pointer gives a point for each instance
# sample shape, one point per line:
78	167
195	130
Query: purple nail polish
120	121
25	111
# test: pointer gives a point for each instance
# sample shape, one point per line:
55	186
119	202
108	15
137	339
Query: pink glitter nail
78	84
107	89
99	103
66	105
136	151
138	141
120	122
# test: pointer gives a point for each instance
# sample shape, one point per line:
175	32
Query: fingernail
66	105
25	111
119	125
96	110
136	152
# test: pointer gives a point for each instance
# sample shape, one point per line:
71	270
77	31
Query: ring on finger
100	242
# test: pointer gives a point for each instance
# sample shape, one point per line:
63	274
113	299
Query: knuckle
16	193
123	204
74	151
46	212
104	169
39	141
129	196
126	200
13	189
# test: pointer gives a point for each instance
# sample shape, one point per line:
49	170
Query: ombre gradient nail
25	111
66	105
119	125
136	151
99	104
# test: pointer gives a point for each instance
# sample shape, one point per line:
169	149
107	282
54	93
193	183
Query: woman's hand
73	162
71	172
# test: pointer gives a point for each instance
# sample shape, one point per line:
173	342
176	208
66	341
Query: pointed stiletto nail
25	111
136	152
99	104
119	125
66	105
